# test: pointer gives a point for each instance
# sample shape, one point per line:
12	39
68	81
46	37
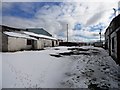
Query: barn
14	39
44	36
112	38
43	40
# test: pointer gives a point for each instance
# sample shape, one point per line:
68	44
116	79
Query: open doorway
52	43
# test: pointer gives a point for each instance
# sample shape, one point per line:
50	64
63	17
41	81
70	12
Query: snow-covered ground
60	67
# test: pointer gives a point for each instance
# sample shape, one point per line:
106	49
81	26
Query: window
113	46
29	42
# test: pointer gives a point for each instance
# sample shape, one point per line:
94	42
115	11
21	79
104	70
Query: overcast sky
85	19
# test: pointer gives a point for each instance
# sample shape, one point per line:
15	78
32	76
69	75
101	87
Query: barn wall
118	46
4	42
28	47
114	52
15	44
55	43
34	43
42	43
107	39
47	43
39	44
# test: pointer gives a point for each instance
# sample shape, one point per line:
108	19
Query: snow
32	69
39	35
37	69
15	34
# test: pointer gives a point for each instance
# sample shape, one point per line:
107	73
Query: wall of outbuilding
4	42
55	43
112	39
15	44
114	52
39	44
47	43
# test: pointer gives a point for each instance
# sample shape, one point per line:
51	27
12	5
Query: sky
84	18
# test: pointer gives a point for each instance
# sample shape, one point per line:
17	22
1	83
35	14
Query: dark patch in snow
93	87
67	53
78	49
70	74
56	49
78	53
56	55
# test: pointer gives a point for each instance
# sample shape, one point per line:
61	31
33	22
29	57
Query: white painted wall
40	44
55	43
17	44
47	43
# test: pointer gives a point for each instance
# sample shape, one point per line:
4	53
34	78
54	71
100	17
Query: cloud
54	17
94	18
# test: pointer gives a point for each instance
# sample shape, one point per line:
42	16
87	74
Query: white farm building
14	39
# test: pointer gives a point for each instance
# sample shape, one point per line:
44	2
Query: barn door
34	43
118	46
52	43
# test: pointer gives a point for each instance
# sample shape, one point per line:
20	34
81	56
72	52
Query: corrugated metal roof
39	31
39	35
20	35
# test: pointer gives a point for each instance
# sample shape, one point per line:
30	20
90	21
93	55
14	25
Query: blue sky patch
97	27
17	8
86	37
78	26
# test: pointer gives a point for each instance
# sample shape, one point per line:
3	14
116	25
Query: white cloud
55	19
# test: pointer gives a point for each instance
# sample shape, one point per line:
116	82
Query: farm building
112	38
46	41
44	36
13	39
19	39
